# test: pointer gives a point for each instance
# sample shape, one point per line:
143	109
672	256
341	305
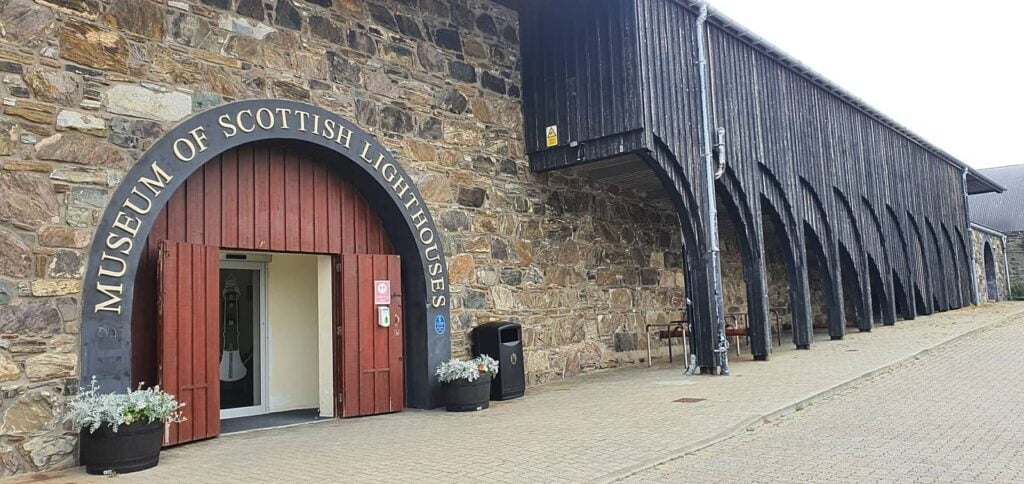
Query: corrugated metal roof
1001	211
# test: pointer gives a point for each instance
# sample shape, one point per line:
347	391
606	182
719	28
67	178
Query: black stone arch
876	284
701	315
942	292
991	274
907	294
922	283
106	335
678	187
738	207
861	296
816	216
957	293
776	204
884	265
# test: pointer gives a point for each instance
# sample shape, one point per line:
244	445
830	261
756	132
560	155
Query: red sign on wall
382	292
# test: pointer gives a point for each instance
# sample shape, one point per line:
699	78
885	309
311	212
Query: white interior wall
325	332
293	319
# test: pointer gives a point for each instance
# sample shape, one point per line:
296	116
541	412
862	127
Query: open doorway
991	282
312	251
242	339
275	353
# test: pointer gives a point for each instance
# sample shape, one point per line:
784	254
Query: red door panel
368	356
188	306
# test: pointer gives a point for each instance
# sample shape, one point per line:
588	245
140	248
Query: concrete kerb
793	407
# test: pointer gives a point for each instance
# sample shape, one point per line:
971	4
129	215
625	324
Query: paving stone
914	422
919	420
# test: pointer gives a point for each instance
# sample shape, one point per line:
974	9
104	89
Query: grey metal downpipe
720	152
713	260
1006	272
975	298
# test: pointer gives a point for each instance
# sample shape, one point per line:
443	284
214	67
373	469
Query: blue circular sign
440	325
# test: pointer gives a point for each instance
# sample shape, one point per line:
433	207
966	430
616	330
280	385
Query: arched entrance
824	301
781	272
991	282
853	297
336	144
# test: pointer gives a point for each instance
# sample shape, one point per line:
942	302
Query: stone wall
775	274
734	285
1015	259
980	238
88	85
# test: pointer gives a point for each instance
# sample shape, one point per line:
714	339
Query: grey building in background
1004	212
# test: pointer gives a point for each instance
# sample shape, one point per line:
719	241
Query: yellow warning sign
552	136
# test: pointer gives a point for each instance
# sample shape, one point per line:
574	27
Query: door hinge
337	267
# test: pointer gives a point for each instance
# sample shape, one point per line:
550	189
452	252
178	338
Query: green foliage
456	369
92	409
1017	291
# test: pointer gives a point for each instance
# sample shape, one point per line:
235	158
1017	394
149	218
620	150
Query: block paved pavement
592	428
954	415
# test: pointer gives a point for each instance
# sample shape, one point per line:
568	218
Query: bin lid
495	326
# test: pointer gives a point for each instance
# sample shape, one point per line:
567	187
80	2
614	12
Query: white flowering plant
92	409
456	369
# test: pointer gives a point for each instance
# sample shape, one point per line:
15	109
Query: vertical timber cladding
586	71
129	218
855	179
866	173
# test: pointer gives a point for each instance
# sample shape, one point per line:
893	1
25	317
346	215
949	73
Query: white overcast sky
952	72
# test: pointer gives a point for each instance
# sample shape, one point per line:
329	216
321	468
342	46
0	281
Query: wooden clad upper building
636	92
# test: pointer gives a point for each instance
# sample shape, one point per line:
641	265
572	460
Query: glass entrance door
242	339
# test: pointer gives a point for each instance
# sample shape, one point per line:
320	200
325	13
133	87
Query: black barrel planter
468	396
133	447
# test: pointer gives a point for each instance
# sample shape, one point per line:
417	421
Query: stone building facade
88	85
990	270
1001	212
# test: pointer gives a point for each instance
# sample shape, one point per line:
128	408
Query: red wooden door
368	356
189	313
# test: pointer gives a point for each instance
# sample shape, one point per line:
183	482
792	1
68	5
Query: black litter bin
503	341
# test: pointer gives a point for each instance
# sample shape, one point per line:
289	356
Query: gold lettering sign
120	238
